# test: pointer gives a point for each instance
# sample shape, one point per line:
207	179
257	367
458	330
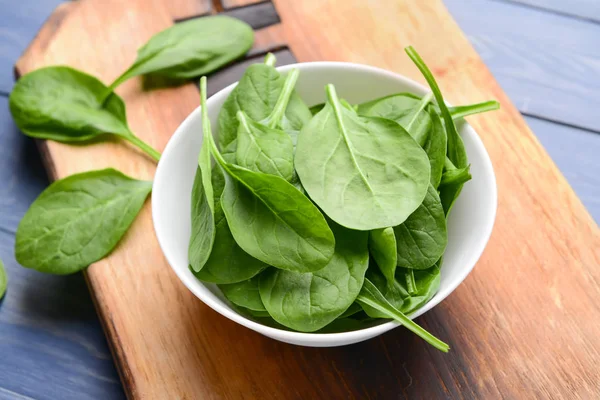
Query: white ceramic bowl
469	226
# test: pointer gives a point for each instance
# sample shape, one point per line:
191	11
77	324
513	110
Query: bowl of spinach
325	203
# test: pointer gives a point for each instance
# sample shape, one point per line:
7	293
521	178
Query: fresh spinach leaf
256	94
272	220
372	299
434	144
191	48
3	280
263	315
364	172
67	105
261	146
203	206
422	238
245	294
343	325
309	301
455	148
382	245
78	220
456	176
465	111
314	110
352	310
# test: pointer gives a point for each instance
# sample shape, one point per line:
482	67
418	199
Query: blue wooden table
544	53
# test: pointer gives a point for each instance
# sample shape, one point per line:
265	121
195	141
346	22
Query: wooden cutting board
525	323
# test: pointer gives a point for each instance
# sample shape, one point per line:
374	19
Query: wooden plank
543	344
549	65
584	9
51	345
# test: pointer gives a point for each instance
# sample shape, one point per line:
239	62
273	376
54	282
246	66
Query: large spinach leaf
272	220
78	220
309	301
455	148
3	280
67	105
261	146
192	48
364	172
245	294
382	245
422	238
256	94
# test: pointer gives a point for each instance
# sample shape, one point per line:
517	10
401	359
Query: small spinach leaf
192	48
434	145
364	172
256	94
372	299
244	294
422	238
456	176
309	301
382	245
272	220
67	105
3	280
78	220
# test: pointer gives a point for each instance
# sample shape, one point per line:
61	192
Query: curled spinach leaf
245	294
272	220
256	95
456	176
191	48
78	220
422	238
382	245
309	301
371	299
434	144
364	172
67	105
3	280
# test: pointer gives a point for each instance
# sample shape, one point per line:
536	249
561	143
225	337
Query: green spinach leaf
245	294
422	238
78	220
203	205
364	172
272	220
372	299
314	110
455	148
309	301
382	245
434	145
3	280
192	48
456	176
256	95
67	105
263	148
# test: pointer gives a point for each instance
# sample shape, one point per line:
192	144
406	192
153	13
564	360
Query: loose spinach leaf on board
256	95
364	172
455	148
78	220
245	294
261	146
456	176
309	301
203	205
3	280
422	238
382	245
371	298
192	48
465	111
67	105
272	220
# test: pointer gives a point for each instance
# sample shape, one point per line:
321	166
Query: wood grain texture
525	324
549	66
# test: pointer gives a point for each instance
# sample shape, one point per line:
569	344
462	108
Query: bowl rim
323	338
